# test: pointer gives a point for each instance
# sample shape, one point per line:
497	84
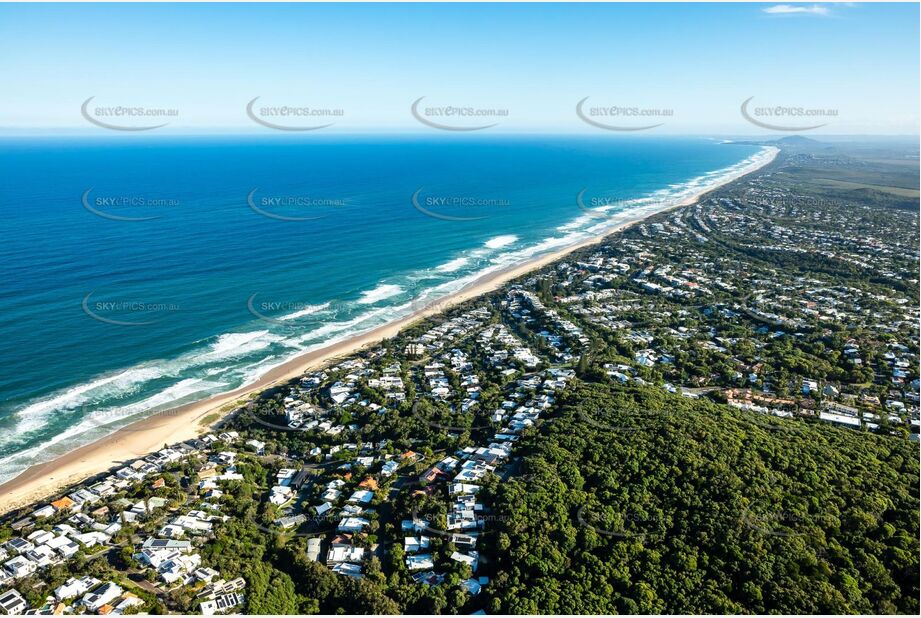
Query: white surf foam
453	265
230	342
382	291
308	310
389	313
171	395
104	421
35	415
500	241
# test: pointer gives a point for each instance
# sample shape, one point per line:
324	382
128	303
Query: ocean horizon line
231	132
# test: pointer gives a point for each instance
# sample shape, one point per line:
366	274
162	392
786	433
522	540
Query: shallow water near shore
140	274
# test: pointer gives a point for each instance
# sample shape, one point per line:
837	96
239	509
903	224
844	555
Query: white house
412	544
362	496
102	595
12	603
353	524
20	566
74	587
418	562
345	553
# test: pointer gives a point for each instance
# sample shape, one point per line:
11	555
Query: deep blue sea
138	273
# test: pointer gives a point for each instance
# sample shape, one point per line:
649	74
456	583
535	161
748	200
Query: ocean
138	273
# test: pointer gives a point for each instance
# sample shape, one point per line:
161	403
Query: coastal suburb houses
157	534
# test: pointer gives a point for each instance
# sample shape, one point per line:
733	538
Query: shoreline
185	422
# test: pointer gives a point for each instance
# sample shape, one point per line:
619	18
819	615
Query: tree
270	591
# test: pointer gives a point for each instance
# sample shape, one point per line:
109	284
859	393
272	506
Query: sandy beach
189	421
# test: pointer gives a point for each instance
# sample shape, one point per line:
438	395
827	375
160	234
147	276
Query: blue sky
534	60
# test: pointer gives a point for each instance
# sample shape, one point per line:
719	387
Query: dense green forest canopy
636	501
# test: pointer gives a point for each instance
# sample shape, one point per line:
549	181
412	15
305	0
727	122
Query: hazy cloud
789	9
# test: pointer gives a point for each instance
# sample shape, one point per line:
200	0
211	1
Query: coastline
194	419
